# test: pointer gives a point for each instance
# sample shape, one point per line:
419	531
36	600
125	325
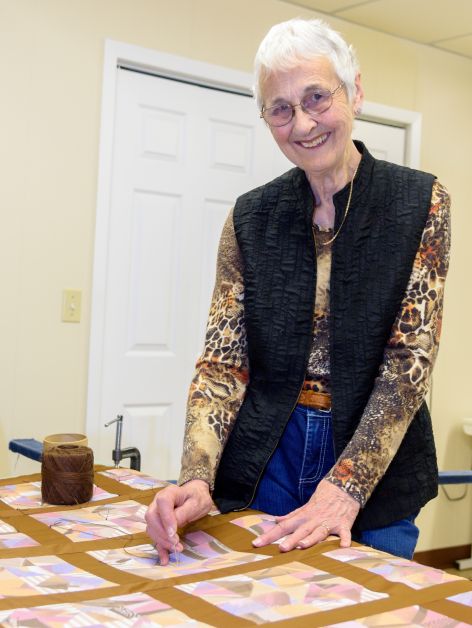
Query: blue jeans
304	455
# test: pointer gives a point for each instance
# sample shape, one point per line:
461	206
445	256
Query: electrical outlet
71	306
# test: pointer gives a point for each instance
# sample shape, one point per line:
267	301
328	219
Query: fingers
174	507
166	502
280	530
330	510
163	555
295	532
161	522
191	510
164	544
324	531
165	547
345	537
320	533
196	502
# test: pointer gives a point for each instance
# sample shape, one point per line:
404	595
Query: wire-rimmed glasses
316	101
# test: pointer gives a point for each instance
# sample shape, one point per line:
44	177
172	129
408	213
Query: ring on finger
325	525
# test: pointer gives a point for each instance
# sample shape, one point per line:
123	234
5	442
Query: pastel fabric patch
104	521
282	592
462	598
136	609
28	495
134	479
202	552
258	524
392	568
10	538
141	481
412	616
20	577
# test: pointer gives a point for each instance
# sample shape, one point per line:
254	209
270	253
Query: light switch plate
71	306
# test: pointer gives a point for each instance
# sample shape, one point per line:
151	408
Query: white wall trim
118	53
409	120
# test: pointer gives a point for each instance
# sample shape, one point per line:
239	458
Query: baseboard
444	557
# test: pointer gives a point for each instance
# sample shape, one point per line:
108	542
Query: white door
181	156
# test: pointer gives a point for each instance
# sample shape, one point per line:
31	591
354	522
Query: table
93	564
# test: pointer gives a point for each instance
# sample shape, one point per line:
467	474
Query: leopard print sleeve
409	357
218	387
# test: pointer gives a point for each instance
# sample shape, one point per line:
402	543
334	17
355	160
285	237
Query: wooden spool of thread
67	475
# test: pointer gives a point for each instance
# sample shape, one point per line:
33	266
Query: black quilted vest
372	260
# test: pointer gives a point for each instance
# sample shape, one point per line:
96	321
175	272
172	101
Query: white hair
288	43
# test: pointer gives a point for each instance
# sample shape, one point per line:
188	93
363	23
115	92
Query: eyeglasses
316	101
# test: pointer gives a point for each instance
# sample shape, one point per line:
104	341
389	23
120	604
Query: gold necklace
348	204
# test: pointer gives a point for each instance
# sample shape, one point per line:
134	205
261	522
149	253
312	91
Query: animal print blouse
218	387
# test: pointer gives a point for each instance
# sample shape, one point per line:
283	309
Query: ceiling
443	24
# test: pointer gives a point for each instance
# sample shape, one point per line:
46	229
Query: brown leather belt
313	399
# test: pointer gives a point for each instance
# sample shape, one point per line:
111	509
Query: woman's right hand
172	508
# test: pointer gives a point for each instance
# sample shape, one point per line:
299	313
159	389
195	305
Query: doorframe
118	54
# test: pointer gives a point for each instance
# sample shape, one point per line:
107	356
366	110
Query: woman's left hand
329	511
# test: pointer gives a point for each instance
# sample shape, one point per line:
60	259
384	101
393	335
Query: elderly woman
308	399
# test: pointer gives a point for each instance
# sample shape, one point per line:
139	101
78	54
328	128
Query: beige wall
51	54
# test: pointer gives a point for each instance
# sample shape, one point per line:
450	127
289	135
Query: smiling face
318	144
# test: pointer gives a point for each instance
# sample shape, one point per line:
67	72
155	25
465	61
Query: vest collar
361	184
